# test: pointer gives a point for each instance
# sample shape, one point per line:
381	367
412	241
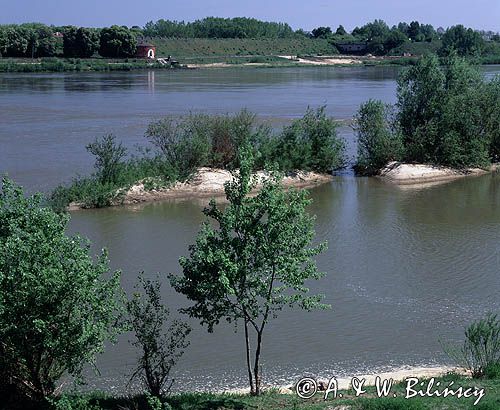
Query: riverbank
417	174
28	65
484	392
204	183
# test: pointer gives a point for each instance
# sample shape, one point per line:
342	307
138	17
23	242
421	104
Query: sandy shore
344	383
206	183
420	174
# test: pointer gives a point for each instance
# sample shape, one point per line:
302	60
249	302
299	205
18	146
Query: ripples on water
405	268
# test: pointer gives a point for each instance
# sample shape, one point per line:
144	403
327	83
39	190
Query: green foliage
253	261
117	41
108	158
74	402
57	308
441	113
388	403
216	27
198	140
480	351
309	143
379	137
80	42
464	41
160	351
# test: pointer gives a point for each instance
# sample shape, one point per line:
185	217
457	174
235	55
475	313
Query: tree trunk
256	370
249	367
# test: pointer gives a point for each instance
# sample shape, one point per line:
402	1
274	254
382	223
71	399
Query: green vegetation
217	27
197	140
445	115
57	305
379	137
160	347
253	263
53	64
480	351
234	40
194	50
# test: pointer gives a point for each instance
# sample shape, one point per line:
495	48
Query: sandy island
426	175
206	182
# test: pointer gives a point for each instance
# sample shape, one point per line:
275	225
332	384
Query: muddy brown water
405	268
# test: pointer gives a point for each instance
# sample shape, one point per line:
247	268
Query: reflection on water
405	267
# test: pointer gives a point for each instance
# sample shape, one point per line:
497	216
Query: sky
306	14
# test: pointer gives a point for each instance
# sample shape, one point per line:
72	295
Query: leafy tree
41	40
253	262
442	114
80	42
414	30
465	42
117	41
379	138
161	348
310	143
395	39
322	32
341	30
15	41
109	155
57	308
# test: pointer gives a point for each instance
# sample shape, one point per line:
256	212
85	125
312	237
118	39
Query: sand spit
420	174
205	183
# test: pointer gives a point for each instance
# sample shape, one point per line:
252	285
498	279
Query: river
406	269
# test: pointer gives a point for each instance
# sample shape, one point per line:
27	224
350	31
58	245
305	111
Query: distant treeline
38	40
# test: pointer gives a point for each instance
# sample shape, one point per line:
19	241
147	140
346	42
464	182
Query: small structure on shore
146	50
352	48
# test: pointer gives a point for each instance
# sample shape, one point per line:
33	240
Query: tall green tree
58	306
463	41
80	42
253	262
117	41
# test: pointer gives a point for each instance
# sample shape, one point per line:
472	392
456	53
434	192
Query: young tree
57	305
109	155
379	139
253	262
161	348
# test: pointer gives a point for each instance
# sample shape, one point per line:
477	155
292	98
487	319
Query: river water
406	269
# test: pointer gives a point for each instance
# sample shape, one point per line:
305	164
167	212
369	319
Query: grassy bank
53	64
193	48
274	400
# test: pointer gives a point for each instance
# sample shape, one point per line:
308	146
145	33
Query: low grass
273	400
198	48
27	65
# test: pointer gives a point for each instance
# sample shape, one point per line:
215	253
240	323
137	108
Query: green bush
309	143
442	113
379	137
58	306
480	351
